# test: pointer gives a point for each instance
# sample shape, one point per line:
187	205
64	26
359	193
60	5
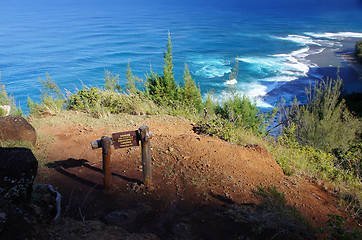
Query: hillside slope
191	174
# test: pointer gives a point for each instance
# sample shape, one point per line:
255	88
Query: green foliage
337	229
190	93
130	80
321	121
168	68
163	89
9	100
220	128
351	159
111	82
101	103
85	99
358	51
52	100
209	106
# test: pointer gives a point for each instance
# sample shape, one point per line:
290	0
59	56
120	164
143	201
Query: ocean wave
300	39
337	35
210	67
254	91
293	63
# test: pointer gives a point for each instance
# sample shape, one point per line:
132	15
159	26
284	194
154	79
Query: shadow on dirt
61	166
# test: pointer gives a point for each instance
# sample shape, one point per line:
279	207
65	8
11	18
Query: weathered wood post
106	144
145	136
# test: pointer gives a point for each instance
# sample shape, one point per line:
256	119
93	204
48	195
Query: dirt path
190	172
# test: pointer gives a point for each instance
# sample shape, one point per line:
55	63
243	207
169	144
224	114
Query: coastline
323	65
333	60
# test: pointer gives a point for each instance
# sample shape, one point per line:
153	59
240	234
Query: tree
190	93
170	84
164	89
325	121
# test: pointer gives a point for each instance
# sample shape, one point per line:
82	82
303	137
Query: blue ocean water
75	41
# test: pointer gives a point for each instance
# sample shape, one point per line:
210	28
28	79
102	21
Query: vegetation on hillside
320	139
6	99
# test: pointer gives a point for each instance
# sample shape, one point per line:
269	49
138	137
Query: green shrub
190	93
85	99
111	82
337	229
52	99
103	102
163	89
351	159
321	121
9	100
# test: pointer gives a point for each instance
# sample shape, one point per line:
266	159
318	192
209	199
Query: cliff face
193	176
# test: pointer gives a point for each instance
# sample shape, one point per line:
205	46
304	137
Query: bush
163	89
52	99
337	229
190	93
9	100
111	82
321	121
102	102
351	159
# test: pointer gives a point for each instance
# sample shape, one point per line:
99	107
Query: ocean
282	46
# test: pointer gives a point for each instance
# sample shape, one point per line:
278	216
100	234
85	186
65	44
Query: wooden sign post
125	140
106	143
145	136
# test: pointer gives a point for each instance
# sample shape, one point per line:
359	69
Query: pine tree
168	78
164	88
190	92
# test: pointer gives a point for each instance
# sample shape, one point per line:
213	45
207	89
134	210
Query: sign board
125	139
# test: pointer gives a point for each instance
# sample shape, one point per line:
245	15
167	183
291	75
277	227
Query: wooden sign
125	139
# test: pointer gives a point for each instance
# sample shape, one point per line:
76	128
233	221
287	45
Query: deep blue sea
75	41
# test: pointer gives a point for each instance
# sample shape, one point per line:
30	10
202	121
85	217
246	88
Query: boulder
16	128
18	168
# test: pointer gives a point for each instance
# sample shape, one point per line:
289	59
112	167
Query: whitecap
231	82
210	67
303	40
337	35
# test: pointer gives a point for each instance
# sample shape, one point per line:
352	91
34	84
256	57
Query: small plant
190	93
337	229
111	82
8	100
52	99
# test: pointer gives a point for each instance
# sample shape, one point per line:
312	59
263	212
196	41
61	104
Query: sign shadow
62	166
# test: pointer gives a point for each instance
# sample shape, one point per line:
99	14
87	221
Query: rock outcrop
18	168
15	224
16	128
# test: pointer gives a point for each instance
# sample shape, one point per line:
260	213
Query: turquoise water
75	41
